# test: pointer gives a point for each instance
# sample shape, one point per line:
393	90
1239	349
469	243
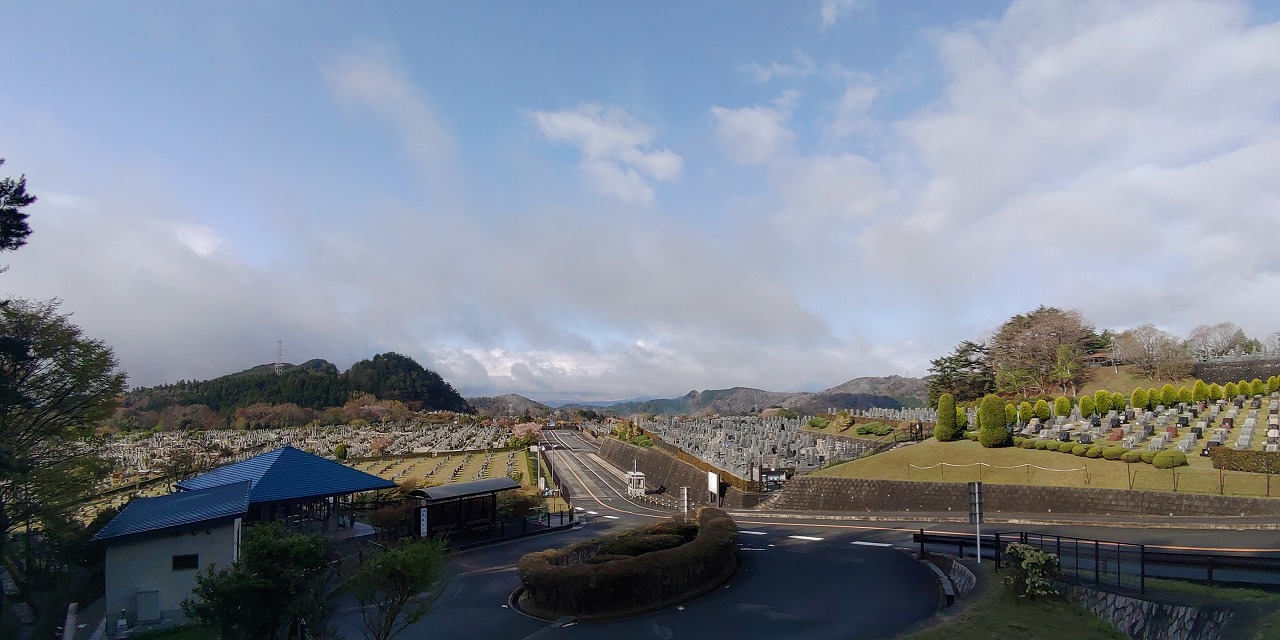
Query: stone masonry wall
812	493
661	469
1145	620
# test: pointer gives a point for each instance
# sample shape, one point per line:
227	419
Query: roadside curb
1018	520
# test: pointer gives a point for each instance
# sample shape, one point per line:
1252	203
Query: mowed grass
441	469
994	615
933	461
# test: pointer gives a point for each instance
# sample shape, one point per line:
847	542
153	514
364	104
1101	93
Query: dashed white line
871	544
594	513
611	517
808	538
752	549
754	533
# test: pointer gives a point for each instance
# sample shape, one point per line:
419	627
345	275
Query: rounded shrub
1113	453
946	429
1079	449
1095	451
1147	456
1066	447
1042	444
972	435
1018	441
1131	456
1169	459
991	422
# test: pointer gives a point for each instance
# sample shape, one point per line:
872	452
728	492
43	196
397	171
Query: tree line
1049	351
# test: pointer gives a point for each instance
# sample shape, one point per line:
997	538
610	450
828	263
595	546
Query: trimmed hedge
1080	449
560	582
1094	451
1148	457
1169	459
1131	456
1042	444
1251	461
1113	453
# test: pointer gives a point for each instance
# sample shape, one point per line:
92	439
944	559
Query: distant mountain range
893	392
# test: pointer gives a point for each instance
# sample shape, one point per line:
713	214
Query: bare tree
1214	340
1154	351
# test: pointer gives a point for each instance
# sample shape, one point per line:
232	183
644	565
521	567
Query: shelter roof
145	515
288	474
466	489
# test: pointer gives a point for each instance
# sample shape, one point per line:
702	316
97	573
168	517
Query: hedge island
634	571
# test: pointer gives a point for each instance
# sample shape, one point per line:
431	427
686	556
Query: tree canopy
1042	351
964	373
13	221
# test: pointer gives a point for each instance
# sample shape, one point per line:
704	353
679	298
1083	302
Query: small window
187	562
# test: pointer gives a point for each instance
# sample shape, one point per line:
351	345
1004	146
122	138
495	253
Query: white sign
713	482
422	522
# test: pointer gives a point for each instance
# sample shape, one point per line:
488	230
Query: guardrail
1121	565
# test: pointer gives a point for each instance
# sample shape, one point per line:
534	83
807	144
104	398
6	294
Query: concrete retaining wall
1145	620
661	469
810	493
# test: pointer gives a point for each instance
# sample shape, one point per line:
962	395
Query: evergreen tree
1042	410
1230	391
1215	392
991	422
946	428
1168	395
1087	408
1102	402
1139	398
1062	406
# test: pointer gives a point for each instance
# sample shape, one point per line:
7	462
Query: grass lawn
924	462
1125	381
997	616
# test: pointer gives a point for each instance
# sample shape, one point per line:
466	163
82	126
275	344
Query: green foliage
340	451
1062	406
1033	571
1042	444
1026	411
1199	391
991	421
873	429
1169	459
1257	387
962	419
1215	392
1230	390
1168	395
819	422
280	580
1185	394
1139	398
972	435
1042	410
1118	401
1131	456
946	428
518	503
1113	453
391	376
1095	451
13	220
963	373
1080	449
1148	457
56	385
397	588
1273	384
1087	408
1244	460
1154	398
1010	413
1040	351
1102	401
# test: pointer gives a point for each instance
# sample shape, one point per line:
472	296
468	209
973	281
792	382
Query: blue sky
606	200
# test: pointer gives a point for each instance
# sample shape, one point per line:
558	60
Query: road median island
631	572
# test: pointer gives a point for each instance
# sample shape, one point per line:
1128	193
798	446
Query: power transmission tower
279	363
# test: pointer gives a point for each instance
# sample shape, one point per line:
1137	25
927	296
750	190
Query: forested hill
315	384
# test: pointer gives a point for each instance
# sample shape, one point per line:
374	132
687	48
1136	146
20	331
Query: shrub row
874	429
1251	461
582	580
1175	459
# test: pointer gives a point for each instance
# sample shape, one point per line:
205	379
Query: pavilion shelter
461	507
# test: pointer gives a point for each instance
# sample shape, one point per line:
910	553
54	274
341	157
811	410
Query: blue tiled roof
289	474
145	515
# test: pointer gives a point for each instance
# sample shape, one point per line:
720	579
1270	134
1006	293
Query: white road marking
809	538
754	533
871	544
752	549
593	513
611	517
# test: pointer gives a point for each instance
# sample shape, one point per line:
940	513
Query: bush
874	429
1113	453
560	582
1080	449
1042	444
1148	457
640	544
1251	461
946	429
1169	459
819	423
1131	456
972	435
1018	441
991	422
1033	571
1066	447
1094	451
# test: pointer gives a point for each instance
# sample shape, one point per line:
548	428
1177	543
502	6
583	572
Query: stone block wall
1146	620
812	493
659	469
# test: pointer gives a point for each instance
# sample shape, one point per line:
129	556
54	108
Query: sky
609	200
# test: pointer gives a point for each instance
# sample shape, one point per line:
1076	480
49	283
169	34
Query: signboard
975	503
422	522
713	482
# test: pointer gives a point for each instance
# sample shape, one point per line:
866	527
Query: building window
187	562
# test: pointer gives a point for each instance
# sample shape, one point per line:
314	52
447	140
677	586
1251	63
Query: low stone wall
1145	620
811	493
961	578
1236	369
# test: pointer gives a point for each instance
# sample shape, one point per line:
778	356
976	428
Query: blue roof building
289	475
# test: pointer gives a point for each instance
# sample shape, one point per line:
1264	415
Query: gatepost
975	515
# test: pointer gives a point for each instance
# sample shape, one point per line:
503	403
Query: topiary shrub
1066	447
1095	451
1080	449
992	421
1042	444
1113	453
972	435
946	429
1169	459
1018	441
1131	456
1147	456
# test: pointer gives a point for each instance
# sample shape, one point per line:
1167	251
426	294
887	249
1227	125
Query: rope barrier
989	466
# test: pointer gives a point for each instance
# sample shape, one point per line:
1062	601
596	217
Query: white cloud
851	115
752	135
802	67
615	148
833	10
201	240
